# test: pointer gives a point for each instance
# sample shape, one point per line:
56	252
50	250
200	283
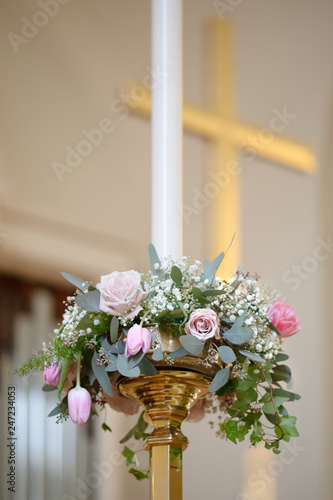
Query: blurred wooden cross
218	124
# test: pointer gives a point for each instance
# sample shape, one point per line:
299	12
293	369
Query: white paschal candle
167	128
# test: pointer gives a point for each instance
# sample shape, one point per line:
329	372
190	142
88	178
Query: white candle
167	129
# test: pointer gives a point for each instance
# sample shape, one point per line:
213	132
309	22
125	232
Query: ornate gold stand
167	398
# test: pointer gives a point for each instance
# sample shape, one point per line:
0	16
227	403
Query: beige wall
67	77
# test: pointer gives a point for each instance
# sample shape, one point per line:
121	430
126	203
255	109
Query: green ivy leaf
139	474
130	456
105	427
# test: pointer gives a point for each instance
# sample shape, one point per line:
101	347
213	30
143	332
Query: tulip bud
137	338
51	374
79	405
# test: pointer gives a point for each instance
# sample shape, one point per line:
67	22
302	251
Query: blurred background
84	208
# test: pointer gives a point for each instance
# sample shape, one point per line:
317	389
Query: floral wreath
234	326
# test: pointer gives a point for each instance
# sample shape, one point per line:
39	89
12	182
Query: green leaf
105	427
196	292
248	396
101	374
281	372
226	354
192	344
287	423
130	456
63	374
84	323
112	367
177	313
273	328
280	357
212	293
290	395
220	379
279	400
124	369
252	355
245	384
158	354
114	329
49	388
89	301
154	259
146	367
78	282
138	474
176	275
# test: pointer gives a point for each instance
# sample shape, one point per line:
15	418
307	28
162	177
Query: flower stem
78	369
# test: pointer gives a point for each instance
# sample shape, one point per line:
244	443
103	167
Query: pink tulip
137	338
283	317
79	405
51	374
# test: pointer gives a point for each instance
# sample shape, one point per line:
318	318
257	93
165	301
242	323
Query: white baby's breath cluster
72	316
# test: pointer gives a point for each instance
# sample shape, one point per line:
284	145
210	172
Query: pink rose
203	324
137	338
121	403
79	405
51	374
121	293
283	318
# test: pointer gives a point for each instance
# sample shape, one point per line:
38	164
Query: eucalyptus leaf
60	408
123	367
220	379
210	269
238	335
135	359
158	354
192	344
176	275
226	354
252	355
89	301
146	367
101	374
112	367
178	353
114	329
154	259
78	282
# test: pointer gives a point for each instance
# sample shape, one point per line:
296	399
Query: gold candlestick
167	398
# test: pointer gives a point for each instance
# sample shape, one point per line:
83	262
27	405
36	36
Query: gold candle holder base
167	398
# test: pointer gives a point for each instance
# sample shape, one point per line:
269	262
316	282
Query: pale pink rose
121	403
137	338
51	374
203	324
79	405
197	412
283	317
121	293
